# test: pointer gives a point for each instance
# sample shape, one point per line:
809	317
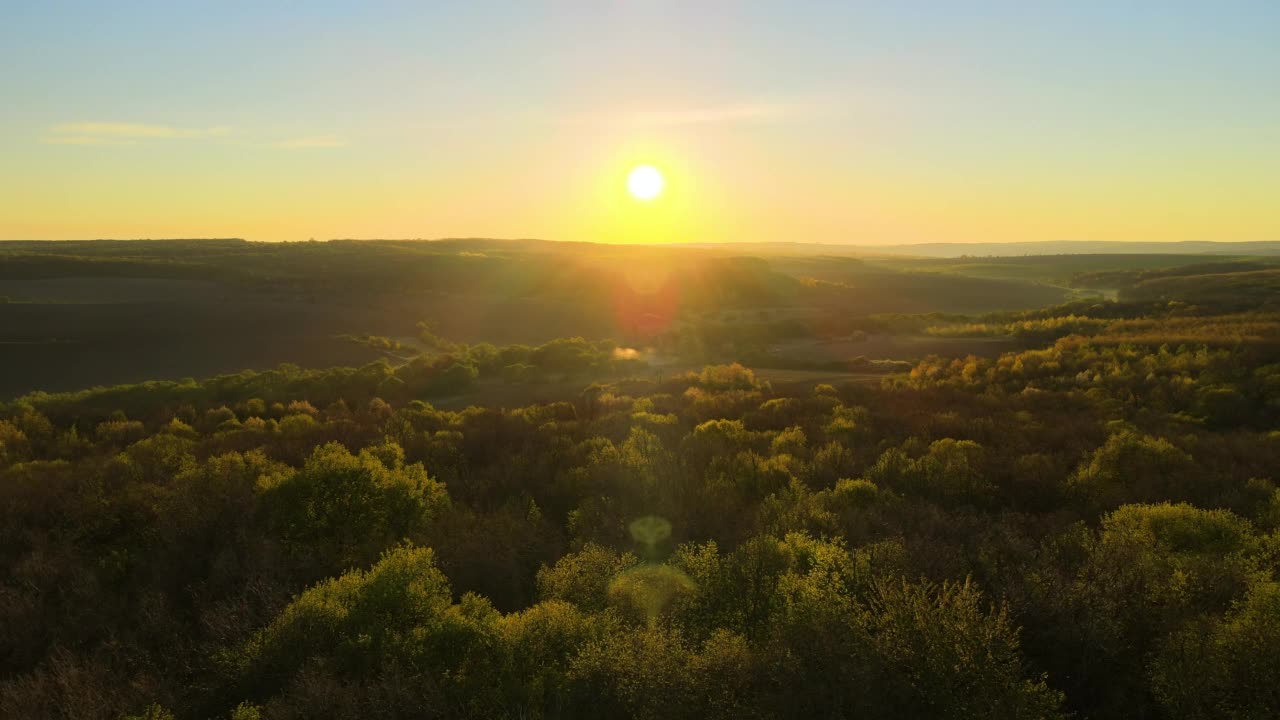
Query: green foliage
246	711
397	617
364	618
153	712
583	578
1135	468
1085	528
950	472
1155	565
339	508
948	657
1224	667
1037	330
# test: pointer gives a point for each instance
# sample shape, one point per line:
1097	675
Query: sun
645	182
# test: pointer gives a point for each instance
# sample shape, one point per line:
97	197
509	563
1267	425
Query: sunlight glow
645	182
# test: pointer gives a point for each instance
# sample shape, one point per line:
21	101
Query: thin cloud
85	140
318	141
133	131
115	133
122	133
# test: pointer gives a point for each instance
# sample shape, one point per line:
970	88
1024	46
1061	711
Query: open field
80	314
894	347
83	314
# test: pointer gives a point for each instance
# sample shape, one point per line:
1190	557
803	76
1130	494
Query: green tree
1227	667
340	509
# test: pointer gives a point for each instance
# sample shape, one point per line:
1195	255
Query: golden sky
834	122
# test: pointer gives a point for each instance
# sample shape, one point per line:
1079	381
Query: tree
1224	668
355	633
945	656
1130	468
340	509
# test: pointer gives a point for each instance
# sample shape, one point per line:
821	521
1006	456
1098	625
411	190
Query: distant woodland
487	479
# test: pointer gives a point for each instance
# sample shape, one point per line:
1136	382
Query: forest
776	486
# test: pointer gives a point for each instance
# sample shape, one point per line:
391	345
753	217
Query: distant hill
1073	247
1061	247
936	250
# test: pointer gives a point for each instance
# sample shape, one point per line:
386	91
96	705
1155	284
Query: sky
808	121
